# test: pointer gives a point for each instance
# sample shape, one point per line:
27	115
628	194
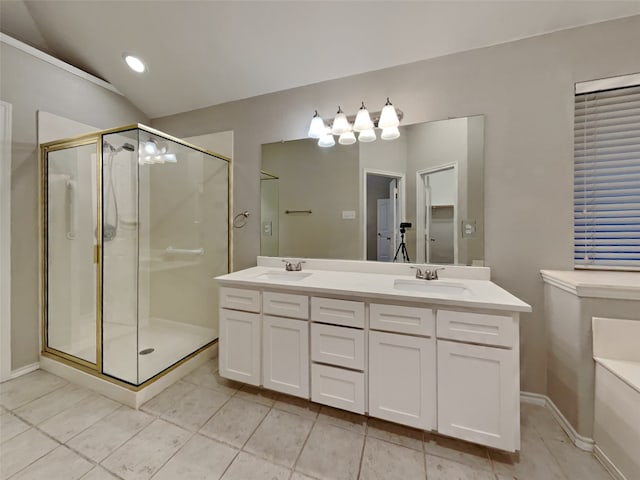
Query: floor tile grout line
304	444
39	397
364	444
241	449
89	393
60	444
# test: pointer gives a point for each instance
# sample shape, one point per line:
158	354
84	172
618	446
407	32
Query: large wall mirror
357	201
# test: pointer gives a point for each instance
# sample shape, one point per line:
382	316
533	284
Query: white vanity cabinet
478	383
352	340
240	334
338	353
402	365
285	343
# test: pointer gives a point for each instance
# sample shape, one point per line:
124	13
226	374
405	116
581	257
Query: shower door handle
96	254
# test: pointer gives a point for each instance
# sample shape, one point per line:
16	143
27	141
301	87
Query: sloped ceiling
202	53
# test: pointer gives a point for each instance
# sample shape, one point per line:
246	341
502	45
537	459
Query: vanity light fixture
363	120
390	133
134	63
388	116
156	151
326	140
367	136
340	123
317	127
347	139
364	123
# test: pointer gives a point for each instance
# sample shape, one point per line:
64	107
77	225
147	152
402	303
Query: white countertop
481	293
595	283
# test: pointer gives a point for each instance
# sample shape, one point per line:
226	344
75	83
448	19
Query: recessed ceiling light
134	63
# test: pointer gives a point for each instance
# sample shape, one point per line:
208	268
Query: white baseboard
582	442
24	370
608	464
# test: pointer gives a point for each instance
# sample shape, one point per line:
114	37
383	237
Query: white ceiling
202	53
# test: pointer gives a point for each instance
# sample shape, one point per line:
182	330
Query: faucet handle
419	273
434	273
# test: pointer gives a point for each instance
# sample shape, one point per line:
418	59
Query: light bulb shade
363	120
149	147
340	123
347	139
326	140
317	128
367	136
390	133
388	116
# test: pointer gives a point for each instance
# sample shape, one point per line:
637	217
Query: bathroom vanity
439	355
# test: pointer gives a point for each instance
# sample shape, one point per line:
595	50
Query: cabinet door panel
402	379
286	355
478	394
239	356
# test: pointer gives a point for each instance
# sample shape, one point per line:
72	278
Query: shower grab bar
288	212
183	251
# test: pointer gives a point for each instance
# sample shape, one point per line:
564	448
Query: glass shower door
72	245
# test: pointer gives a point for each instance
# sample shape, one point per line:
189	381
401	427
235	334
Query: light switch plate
348	214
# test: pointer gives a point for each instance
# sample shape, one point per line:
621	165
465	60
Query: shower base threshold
131	398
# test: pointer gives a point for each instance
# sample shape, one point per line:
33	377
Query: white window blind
607	179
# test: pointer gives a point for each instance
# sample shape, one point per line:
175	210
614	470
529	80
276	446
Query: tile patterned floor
205	427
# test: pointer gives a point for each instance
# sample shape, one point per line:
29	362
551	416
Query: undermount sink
283	276
432	286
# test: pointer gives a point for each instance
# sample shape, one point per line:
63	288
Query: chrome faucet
293	266
427	274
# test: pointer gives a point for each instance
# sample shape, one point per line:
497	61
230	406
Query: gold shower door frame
45	149
96	137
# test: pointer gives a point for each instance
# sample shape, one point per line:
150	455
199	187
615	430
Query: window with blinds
607	179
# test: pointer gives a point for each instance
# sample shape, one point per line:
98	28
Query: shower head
106	146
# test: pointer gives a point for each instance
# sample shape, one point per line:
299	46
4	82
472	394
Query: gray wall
30	85
525	91
323	180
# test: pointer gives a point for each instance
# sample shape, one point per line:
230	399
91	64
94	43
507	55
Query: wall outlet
267	229
468	228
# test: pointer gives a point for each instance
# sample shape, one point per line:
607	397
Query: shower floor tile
245	434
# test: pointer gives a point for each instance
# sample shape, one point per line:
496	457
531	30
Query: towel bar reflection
297	211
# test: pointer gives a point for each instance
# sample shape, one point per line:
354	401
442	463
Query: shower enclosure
135	226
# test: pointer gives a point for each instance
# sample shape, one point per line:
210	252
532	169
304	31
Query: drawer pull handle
474	328
337	312
237	298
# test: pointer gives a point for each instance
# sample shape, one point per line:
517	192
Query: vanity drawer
337	312
240	299
487	329
337	387
339	346
400	319
285	305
